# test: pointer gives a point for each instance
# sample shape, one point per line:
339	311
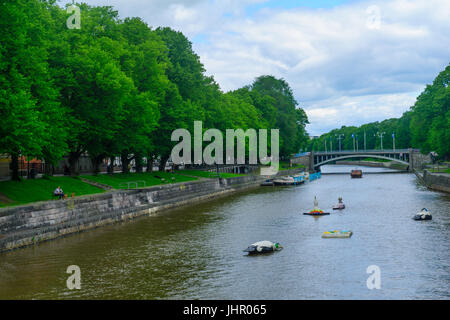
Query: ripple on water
196	252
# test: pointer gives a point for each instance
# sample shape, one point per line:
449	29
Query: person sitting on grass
58	192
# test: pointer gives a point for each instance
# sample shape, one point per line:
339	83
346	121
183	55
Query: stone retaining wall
434	181
29	224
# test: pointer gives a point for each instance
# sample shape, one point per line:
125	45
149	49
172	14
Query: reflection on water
348	168
196	252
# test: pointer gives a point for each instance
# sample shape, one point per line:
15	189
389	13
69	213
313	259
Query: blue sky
348	62
290	4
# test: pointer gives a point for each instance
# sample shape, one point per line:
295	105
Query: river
196	252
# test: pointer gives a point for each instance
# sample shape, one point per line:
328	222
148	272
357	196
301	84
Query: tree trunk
48	167
96	161
73	161
15	167
139	163
111	165
150	158
162	164
125	163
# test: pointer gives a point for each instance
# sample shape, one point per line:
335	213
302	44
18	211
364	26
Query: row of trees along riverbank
426	126
117	88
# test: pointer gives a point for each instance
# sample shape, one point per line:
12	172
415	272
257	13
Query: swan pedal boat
424	214
339	206
263	247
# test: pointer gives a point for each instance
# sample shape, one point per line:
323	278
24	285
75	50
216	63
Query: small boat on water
263	247
316	211
336	234
284	181
340	205
356	173
424	214
268	182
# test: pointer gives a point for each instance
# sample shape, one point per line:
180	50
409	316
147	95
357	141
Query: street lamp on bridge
393	140
380	134
339	138
355	137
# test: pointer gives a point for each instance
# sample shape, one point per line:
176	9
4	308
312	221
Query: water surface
196	252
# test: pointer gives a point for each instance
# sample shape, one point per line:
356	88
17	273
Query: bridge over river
412	158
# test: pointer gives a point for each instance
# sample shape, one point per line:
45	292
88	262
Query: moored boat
356	173
284	181
268	182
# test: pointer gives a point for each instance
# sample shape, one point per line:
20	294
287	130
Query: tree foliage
117	88
426	126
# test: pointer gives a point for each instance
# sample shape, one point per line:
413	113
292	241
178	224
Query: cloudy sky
348	62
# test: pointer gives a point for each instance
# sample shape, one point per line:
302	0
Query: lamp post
339	138
393	140
325	144
380	134
364	140
354	147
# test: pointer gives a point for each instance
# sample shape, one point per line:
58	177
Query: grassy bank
33	190
206	174
284	165
439	170
120	180
27	191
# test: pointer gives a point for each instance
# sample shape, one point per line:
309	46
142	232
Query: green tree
30	117
430	116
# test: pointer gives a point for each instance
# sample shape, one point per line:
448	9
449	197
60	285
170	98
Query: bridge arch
359	156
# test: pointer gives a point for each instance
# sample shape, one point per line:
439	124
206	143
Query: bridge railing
363	151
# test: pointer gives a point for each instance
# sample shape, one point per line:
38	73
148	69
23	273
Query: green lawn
33	190
440	170
119	180
285	166
206	174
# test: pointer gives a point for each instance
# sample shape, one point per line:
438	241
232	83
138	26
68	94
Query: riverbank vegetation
286	165
33	190
137	180
426	126
117	88
208	174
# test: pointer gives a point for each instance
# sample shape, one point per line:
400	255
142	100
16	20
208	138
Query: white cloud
342	71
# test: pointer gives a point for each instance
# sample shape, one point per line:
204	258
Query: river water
196	252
